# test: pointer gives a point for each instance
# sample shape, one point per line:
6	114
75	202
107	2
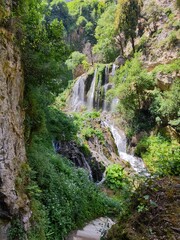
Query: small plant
114	176
142	208
172	39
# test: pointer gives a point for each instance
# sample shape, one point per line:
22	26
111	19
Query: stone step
87	235
78	238
85	238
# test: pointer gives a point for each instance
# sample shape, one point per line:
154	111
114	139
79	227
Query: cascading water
114	104
105	104
114	67
93	95
77	99
120	139
90	95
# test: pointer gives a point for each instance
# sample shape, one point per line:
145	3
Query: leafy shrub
89	132
160	155
114	176
86	127
165	105
172	39
76	58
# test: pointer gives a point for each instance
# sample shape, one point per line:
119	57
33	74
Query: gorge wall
13	202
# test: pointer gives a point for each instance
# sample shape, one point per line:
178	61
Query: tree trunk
132	42
122	50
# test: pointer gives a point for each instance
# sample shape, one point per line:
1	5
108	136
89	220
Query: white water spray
77	99
90	95
120	140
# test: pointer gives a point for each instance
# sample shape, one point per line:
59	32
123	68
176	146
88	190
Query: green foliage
153	12
142	43
68	197
59	10
16	230
39	221
105	35
167	68
60	126
114	176
76	58
88	128
141	104
35	115
160	155
133	85
172	39
165	105
86	15
90	132
22	180
126	21
3	14
43	48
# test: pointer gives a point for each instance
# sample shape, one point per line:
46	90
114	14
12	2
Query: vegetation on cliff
60	40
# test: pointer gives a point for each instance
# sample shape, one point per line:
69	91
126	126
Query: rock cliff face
12	147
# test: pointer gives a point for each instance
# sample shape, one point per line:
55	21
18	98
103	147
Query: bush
114	176
76	58
165	106
161	156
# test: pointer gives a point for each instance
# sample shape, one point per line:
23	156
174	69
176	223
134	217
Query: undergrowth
68	198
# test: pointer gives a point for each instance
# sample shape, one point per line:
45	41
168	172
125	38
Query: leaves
114	176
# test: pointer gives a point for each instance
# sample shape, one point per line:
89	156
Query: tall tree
126	20
105	35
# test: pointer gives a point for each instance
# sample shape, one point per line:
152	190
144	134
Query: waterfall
105	103
114	104
98	104
114	67
106	87
90	95
89	92
77	99
106	74
120	140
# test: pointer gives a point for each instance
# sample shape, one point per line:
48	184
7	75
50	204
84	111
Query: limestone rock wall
12	146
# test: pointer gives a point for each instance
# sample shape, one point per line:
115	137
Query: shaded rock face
12	149
75	153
